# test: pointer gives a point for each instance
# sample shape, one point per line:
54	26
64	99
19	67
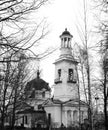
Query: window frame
70	74
59	73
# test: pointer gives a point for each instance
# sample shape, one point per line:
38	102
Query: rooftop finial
38	74
66	33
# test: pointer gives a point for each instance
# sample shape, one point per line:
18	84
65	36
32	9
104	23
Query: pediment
52	102
72	103
75	102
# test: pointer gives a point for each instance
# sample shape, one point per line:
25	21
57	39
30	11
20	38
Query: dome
66	32
37	84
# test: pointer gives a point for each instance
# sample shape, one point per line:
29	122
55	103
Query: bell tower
65	83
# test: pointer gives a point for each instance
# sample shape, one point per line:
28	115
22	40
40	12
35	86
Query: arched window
69	114
26	120
69	117
82	115
43	94
70	74
59	73
75	115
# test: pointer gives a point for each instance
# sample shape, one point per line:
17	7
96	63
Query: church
63	108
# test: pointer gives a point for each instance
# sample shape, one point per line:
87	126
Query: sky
61	14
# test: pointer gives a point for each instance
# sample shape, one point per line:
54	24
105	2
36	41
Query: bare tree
84	59
12	88
12	43
102	6
14	10
22	36
104	80
4	89
19	81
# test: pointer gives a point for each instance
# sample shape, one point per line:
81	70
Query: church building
64	107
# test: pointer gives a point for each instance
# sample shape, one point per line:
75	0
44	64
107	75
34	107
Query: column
66	118
72	116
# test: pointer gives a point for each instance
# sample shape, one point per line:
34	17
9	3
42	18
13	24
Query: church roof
37	84
66	58
28	111
52	101
57	101
23	105
75	102
24	108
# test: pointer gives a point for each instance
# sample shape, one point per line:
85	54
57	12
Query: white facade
64	108
66	113
65	90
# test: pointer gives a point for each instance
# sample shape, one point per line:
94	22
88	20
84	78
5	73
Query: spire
38	73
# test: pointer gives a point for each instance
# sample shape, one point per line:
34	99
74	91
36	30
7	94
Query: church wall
65	51
42	94
69	90
47	94
64	66
55	115
68	118
70	115
21	120
84	113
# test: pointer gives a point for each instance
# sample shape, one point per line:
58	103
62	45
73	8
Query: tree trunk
4	96
105	99
89	99
84	82
13	112
79	98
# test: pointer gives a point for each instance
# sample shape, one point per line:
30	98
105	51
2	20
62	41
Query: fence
83	127
23	128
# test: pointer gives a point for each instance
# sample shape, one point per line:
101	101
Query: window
82	115
7	119
69	116
70	73
59	73
75	115
43	94
33	94
58	79
22	120
25	119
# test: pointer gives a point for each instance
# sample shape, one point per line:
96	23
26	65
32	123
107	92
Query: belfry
66	71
